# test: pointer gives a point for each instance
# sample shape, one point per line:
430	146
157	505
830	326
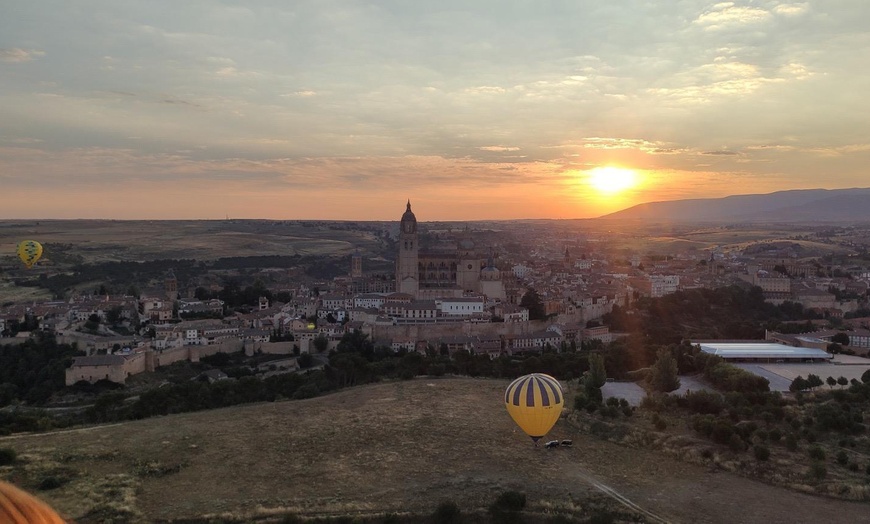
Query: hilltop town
503	289
701	346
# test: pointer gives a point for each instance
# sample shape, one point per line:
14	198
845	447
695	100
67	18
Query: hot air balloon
534	402
29	252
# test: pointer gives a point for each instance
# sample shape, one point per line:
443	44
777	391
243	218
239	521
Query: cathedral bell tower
407	278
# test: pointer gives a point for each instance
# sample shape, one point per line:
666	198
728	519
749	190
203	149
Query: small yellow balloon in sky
29	252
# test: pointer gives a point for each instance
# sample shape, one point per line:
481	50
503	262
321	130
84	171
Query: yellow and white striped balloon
535	403
29	252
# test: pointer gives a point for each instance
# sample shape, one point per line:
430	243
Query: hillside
391	447
810	205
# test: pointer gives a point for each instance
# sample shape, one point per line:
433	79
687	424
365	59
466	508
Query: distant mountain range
801	205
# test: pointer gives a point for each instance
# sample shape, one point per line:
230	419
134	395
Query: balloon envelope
29	252
535	403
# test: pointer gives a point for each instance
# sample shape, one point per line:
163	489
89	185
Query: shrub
580	401
774	435
447	513
791	442
816	452
842	458
7	456
610	412
723	430
602	517
853	466
761	453
736	443
511	501
50	482
818	471
506	509
704	402
659	423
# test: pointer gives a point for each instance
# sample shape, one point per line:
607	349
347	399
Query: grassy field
111	240
392	447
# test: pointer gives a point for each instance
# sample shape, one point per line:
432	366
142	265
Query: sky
494	109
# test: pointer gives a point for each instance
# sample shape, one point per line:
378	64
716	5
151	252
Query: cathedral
442	274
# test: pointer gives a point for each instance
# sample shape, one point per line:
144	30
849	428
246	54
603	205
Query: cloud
720	153
498	148
726	14
791	9
176	101
18	55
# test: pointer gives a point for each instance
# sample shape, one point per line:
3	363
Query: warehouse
763	352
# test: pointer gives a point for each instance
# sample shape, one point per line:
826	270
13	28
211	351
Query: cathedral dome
409	221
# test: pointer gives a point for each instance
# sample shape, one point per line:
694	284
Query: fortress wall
272	348
134	364
436	331
170	356
94	373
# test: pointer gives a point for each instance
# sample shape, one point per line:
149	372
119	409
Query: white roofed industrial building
763	352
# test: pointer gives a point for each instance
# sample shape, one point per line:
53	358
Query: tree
595	378
814	381
321	343
93	322
113	315
305	360
841	338
532	301
663	375
831	382
597	373
798	384
865	378
834	348
843	381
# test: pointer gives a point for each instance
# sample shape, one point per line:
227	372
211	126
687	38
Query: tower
407	278
468	269
356	265
170	285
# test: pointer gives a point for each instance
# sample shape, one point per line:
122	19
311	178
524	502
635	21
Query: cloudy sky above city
472	110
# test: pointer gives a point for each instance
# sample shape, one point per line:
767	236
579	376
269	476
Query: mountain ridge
794	205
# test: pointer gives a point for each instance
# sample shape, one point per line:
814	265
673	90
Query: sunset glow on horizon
344	110
610	180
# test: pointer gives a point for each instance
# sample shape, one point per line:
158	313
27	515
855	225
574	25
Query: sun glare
612	180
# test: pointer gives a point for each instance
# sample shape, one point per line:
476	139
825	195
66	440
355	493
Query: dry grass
109	240
389	448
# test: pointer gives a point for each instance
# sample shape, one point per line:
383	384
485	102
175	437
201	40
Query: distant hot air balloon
29	252
534	402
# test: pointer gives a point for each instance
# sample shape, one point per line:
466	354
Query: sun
612	180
